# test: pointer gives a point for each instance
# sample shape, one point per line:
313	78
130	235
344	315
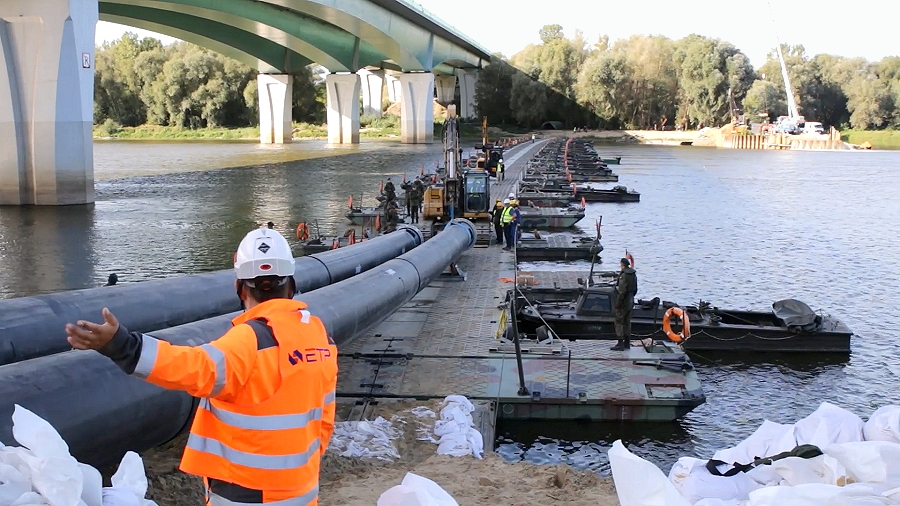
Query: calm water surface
738	228
743	229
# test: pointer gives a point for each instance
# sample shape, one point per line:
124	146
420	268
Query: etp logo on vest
309	356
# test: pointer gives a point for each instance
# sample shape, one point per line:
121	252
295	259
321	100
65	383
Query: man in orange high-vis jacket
267	386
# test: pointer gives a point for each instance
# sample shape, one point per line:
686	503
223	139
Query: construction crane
461	192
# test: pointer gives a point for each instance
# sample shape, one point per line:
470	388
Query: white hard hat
506	201
263	252
512	195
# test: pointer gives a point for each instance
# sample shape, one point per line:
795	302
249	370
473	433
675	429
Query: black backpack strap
265	336
802	451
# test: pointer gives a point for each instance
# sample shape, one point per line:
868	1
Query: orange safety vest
266	434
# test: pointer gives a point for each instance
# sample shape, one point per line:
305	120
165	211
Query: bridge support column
342	101
47	101
446	89
275	104
372	85
468	78
393	88
417	108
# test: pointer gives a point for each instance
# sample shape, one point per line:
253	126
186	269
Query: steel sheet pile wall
32	327
102	413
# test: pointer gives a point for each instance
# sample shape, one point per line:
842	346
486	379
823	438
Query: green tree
764	101
492	91
528	100
707	69
550	33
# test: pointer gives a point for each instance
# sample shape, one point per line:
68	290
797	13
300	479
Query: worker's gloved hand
85	335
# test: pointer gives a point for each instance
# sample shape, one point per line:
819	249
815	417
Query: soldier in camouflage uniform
626	288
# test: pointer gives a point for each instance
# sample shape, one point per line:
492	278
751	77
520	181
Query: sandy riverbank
358	482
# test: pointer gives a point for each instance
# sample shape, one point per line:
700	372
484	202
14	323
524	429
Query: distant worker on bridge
497	217
626	288
266	387
511	219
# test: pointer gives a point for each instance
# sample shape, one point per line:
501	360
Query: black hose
102	413
32	327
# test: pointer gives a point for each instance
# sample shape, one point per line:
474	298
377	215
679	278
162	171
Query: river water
738	228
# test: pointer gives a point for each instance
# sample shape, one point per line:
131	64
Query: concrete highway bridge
46	91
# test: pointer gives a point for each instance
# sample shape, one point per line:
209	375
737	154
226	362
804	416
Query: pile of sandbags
455	432
365	439
43	472
856	462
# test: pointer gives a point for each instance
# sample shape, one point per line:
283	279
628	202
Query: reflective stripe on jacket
267	408
507	217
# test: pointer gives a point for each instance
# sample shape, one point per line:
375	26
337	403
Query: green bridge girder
279	36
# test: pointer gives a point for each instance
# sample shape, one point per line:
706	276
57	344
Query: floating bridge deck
447	341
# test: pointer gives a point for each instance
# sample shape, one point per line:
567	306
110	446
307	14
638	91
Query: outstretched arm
218	369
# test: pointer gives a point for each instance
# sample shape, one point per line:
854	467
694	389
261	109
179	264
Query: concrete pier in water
47	101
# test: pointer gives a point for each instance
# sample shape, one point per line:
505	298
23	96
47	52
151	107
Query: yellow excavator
461	192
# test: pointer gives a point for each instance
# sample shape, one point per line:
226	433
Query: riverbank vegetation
653	82
147	90
880	139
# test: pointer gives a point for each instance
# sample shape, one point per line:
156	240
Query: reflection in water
583	445
172	223
45	248
738	228
743	229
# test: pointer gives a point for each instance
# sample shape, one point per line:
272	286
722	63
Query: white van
813	127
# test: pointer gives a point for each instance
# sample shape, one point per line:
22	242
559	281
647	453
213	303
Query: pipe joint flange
413	231
469	226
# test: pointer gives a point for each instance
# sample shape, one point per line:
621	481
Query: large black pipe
32	327
102	413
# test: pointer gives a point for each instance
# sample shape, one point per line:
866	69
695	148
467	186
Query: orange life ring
685	325
302	231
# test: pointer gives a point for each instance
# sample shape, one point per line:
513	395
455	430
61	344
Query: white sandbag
113	496
720	502
463	402
13	484
365	439
869	461
823	469
883	425
54	473
415	490
829	424
129	484
769	439
440	496
456	429
404	496
694	482
640	483
92	490
31	499
816	494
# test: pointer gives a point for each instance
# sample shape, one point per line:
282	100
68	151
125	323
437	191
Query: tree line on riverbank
643	82
651	82
142	81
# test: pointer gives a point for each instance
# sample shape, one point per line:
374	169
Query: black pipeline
32	327
102	413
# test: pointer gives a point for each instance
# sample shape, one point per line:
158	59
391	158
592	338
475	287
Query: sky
864	28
